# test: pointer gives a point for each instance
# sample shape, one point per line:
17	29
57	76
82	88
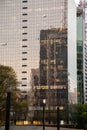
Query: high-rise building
80	94
53	65
21	25
83	6
72	50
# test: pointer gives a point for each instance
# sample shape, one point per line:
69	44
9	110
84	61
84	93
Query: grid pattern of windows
27	48
33	41
24	42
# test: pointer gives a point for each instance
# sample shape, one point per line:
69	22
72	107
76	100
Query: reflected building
35	87
53	66
35	79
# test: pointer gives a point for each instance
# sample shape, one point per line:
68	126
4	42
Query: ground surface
34	128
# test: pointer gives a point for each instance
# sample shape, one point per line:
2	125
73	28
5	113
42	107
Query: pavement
34	128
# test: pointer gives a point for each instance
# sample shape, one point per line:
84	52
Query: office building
21	26
83	6
80	94
53	66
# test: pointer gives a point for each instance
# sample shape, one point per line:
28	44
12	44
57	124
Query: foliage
73	113
82	115
78	115
8	81
20	108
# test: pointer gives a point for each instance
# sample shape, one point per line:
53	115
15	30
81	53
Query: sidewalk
34	128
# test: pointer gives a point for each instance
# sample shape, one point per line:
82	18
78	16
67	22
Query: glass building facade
35	40
80	93
20	32
53	63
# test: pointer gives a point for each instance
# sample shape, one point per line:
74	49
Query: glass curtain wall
33	41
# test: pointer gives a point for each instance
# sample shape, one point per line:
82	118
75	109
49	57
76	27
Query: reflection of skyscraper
53	63
20	25
35	78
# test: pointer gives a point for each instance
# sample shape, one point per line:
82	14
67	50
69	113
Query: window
24	39
24	1
24	33
24	46
24	85
24	52
24	20
24	65
24	78
24	27
24	7
24	14
24	71
24	58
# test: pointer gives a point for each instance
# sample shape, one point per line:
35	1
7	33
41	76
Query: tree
78	115
19	105
8	80
82	115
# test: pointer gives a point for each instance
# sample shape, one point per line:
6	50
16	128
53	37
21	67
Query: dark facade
53	66
80	94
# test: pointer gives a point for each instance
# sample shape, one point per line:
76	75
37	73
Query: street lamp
44	102
58	116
